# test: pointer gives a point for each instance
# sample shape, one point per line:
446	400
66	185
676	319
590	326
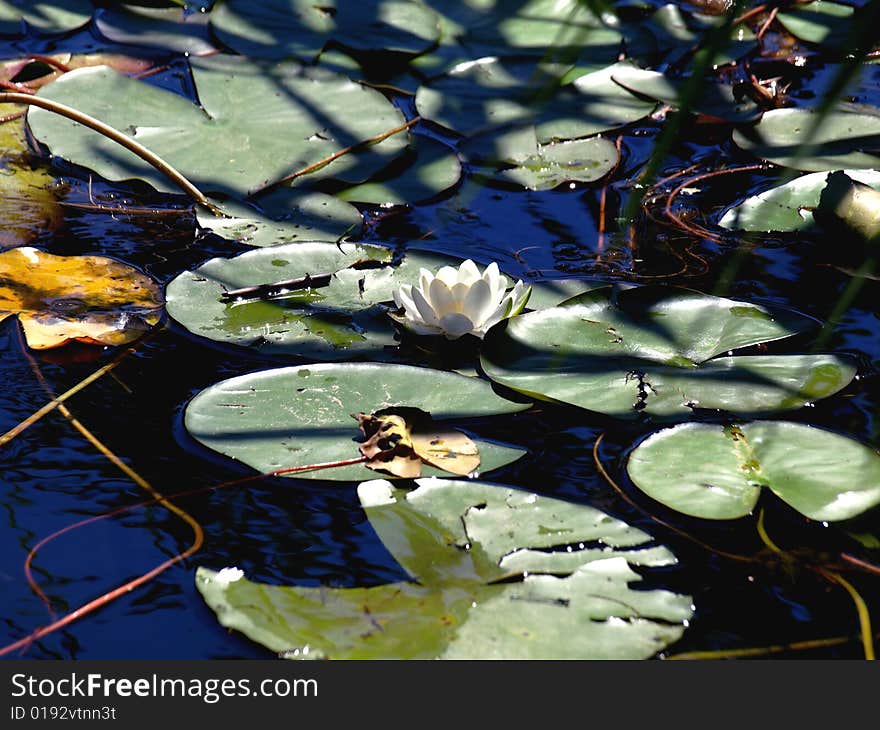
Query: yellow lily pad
89	299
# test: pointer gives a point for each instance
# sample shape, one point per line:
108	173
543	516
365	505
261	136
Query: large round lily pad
338	321
300	28
716	100
655	351
45	16
787	207
825	23
284	216
497	573
842	139
718	472
255	124
294	416
490	93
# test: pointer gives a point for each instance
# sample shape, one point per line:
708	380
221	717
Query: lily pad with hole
255	124
295	416
841	140
284	216
92	299
342	320
44	16
713	99
492	93
788	207
280	29
824	23
719	472
657	351
496	573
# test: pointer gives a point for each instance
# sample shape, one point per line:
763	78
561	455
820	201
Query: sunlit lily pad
294	416
284	216
300	28
423	171
255	124
459	540
338	321
718	472
823	22
582	160
842	139
655	351
787	207
172	29
490	93
44	16
92	299
715	100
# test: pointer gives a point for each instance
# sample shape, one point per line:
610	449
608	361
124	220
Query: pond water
289	531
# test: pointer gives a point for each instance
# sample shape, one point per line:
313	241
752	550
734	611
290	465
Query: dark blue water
309	533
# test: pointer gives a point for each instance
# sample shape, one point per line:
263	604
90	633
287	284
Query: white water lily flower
459	302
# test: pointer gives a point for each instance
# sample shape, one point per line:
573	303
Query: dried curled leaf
91	299
399	440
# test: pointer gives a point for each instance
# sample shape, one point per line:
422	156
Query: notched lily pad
301	28
342	318
824	23
718	472
295	416
284	216
843	139
497	573
92	299
790	206
714	100
656	351
177	29
17	17
255	124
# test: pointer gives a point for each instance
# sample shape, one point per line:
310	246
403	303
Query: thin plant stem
129	586
125	141
198	533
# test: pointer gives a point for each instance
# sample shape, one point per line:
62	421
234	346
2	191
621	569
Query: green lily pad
715	100
44	16
456	538
173	29
279	29
425	170
839	142
255	124
339	321
788	207
671	33
294	416
824	23
655	351
718	472
490	93
285	216
582	160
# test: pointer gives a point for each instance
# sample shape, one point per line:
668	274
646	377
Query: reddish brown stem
106	598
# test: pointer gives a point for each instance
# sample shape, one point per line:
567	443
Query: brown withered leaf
400	440
91	299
